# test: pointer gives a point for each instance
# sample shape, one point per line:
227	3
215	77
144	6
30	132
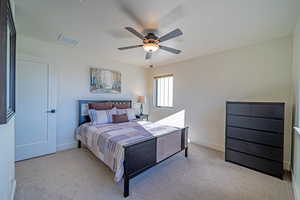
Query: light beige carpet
76	174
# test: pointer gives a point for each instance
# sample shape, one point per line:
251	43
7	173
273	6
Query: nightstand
143	117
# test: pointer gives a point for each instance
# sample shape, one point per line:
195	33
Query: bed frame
139	156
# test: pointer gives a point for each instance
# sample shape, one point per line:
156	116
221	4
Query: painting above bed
105	81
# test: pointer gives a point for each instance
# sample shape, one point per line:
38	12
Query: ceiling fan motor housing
151	38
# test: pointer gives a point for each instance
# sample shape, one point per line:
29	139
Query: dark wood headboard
83	108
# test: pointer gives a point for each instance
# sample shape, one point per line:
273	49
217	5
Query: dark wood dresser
254	136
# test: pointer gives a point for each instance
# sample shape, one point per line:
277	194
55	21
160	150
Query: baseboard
13	190
210	145
286	166
66	146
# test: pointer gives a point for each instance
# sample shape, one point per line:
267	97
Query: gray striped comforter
106	141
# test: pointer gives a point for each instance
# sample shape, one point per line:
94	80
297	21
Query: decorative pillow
101	106
101	116
110	113
130	113
120	118
122	106
98	117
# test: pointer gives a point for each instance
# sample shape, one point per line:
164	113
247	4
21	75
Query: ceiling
209	26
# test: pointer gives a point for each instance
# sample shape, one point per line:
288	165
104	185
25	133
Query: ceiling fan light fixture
151	41
150	47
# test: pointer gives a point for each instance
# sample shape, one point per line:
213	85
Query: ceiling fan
151	42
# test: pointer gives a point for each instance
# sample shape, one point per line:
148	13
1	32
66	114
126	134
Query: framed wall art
105	81
7	62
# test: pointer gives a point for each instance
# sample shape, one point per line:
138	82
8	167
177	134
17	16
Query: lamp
141	100
150	47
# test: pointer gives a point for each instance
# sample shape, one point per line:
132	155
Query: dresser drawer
273	125
238	108
256	136
275	110
260	164
271	153
266	110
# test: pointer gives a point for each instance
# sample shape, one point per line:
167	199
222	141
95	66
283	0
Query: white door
35	110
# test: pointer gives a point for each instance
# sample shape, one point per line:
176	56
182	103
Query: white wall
296	81
7	156
72	70
7	159
203	85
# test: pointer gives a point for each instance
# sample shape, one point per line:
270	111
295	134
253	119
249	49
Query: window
164	91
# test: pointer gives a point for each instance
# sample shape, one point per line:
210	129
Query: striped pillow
120	118
101	116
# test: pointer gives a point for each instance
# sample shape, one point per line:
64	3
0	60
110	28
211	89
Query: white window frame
156	79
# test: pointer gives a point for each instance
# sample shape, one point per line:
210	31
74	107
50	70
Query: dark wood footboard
142	156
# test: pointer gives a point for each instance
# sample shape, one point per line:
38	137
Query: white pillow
101	116
110	113
130	113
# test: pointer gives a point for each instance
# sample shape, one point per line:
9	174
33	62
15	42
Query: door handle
51	111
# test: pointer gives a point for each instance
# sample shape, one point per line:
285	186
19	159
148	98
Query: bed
129	148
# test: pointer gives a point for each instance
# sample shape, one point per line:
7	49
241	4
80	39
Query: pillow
101	106
101	116
120	118
122	106
130	113
110	113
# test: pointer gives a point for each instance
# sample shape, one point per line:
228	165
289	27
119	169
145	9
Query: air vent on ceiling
67	40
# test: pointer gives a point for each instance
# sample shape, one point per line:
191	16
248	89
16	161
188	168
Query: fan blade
169	49
130	47
133	31
148	55
177	32
130	12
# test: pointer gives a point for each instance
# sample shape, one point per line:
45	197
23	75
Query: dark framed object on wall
7	62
